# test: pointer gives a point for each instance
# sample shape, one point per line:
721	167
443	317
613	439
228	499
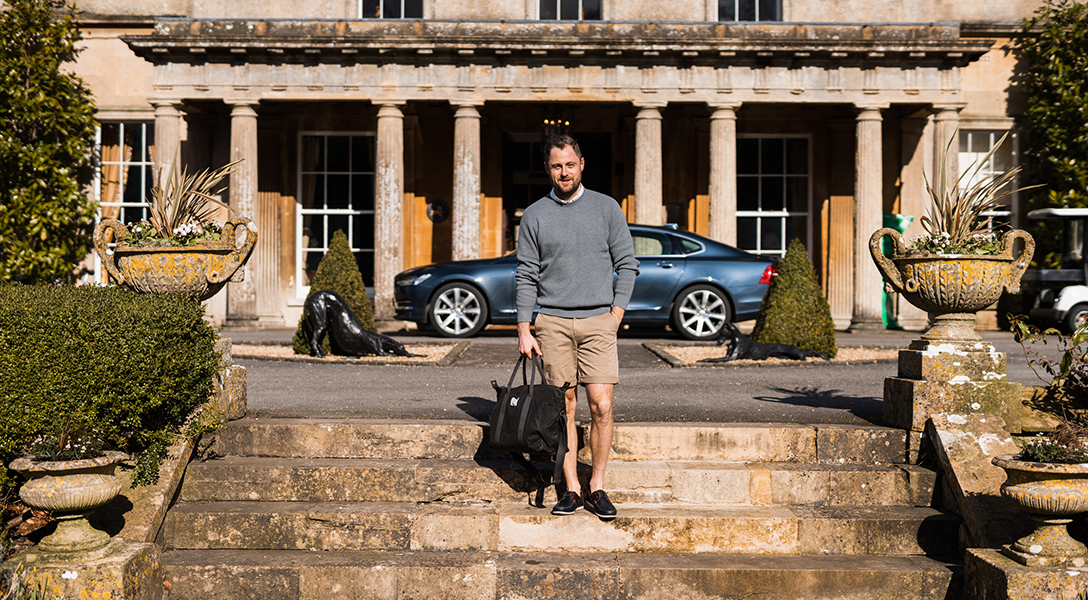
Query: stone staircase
424	509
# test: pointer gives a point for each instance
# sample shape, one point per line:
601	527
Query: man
573	243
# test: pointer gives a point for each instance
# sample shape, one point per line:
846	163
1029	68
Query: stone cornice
604	43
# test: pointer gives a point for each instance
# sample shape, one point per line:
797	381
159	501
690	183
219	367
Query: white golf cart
1064	298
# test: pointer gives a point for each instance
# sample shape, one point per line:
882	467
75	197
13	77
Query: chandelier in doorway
557	120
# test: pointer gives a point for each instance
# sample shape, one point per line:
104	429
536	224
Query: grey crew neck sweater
567	255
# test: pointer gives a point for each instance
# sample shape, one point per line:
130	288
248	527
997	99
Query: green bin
900	224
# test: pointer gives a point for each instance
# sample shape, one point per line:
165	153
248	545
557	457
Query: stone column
649	209
466	182
914	200
723	173
868	211
168	122
948	137
242	295
388	208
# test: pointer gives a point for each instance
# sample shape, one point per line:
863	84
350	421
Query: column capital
242	108
390	110
870	110
466	111
948	110
165	103
650	105
724	106
466	103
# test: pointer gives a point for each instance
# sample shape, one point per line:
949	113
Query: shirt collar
581	190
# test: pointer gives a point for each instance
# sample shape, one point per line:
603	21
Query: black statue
742	347
326	311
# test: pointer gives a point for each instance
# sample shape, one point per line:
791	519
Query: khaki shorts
579	351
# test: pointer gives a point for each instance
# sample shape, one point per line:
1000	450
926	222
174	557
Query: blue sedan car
691	282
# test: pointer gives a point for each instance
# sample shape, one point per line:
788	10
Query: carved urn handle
242	234
1020	263
884	264
106	232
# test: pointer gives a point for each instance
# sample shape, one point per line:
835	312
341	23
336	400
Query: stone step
304	575
503	480
737	442
401	526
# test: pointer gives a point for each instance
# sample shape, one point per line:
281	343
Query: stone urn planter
71	489
1052	493
198	271
952	287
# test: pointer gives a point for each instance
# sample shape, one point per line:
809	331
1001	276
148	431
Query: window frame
965	160
145	165
559	11
782	214
301	289
361	5
736	11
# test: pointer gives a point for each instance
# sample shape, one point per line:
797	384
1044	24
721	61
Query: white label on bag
514	401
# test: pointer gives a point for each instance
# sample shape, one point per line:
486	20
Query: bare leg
600	437
570	463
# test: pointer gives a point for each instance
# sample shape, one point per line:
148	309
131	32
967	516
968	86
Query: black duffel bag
531	418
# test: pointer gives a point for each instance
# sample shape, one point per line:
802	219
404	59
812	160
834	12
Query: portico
451	110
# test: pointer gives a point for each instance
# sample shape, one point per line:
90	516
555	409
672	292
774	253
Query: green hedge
131	366
794	311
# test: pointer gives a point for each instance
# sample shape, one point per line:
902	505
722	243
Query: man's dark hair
560	141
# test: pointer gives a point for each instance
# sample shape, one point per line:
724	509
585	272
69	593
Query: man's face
565	171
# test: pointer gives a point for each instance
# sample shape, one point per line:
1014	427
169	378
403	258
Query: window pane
727	10
549	10
797	194
747	10
747	193
413	9
362	154
771	234
688	246
313	153
312	191
796	156
768	10
797	227
338	152
591	10
371	9
338	196
771	156
339	223
362	192
646	245
111	134
391	9
364	232
365	260
773	194
748	156
568	10
746	233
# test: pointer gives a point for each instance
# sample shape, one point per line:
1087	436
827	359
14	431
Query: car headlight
413	280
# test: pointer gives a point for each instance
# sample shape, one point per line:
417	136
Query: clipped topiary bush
337	272
125	366
794	311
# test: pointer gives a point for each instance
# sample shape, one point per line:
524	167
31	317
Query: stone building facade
415	125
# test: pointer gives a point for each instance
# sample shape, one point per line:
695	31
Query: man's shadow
509	470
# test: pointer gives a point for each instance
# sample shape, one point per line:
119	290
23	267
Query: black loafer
600	505
569	503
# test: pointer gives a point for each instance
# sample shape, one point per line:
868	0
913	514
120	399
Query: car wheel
700	312
458	310
1075	318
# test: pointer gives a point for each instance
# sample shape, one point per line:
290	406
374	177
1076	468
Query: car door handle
666	265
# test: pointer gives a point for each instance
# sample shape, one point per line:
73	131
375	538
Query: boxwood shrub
130	366
794	311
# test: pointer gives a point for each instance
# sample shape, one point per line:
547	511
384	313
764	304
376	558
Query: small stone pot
954	287
198	271
71	489
1052	494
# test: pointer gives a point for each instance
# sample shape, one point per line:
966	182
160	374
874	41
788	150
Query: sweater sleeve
527	276
623	258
